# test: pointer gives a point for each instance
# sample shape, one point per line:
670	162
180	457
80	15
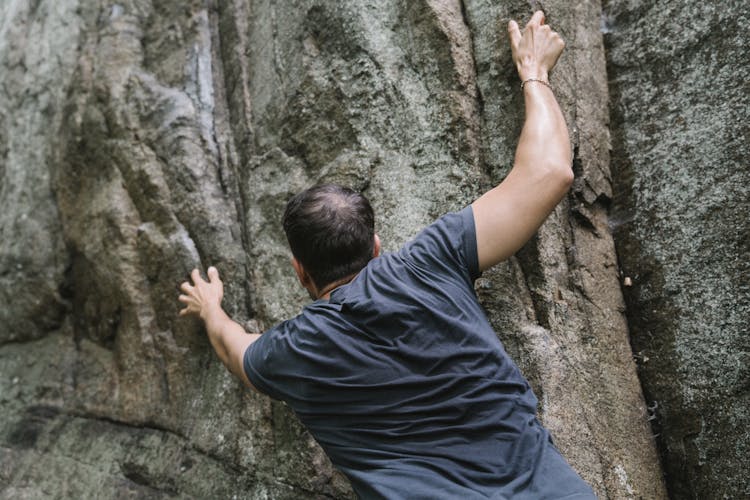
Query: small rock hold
627	281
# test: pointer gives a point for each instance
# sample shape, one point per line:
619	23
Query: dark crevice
642	317
222	126
240	128
154	427
121	423
25	433
479	160
479	97
529	262
141	476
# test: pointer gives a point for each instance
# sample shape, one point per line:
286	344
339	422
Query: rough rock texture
140	138
680	98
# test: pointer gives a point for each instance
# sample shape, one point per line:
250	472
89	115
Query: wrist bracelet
535	80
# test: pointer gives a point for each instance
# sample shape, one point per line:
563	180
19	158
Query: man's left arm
229	340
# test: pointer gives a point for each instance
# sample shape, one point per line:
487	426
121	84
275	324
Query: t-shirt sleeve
265	359
449	245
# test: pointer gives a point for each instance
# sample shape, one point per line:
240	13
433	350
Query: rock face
140	139
680	99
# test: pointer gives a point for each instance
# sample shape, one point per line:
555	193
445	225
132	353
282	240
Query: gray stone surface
38	61
141	138
680	98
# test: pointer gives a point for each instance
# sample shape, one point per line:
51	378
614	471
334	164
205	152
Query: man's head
331	231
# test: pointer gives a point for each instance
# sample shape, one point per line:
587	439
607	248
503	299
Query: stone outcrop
140	139
680	98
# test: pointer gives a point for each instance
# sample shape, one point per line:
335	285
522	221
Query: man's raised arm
508	215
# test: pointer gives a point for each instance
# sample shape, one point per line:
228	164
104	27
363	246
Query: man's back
402	380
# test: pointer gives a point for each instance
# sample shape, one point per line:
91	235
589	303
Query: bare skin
505	217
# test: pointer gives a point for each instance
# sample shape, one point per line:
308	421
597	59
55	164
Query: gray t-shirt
404	383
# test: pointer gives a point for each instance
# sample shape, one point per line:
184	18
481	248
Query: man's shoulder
448	245
312	322
450	223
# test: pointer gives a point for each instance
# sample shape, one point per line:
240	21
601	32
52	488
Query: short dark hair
331	231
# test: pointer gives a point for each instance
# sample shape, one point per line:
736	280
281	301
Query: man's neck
325	292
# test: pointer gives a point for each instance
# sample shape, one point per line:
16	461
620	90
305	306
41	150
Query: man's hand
203	296
536	51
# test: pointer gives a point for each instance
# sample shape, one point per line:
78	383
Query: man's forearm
544	146
216	322
228	339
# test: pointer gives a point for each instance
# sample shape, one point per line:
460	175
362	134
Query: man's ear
305	279
302	275
376	247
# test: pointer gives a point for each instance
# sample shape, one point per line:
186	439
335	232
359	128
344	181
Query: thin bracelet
535	80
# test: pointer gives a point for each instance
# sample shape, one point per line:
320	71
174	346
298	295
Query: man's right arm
508	215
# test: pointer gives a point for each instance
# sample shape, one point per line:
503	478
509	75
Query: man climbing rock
394	368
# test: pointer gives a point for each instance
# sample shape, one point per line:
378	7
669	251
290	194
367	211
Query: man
394	367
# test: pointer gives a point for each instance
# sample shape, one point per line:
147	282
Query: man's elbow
566	177
561	176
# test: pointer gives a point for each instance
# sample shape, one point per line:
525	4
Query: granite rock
679	76
140	139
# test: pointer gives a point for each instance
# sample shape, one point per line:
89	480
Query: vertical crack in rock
229	157
595	275
231	54
450	14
